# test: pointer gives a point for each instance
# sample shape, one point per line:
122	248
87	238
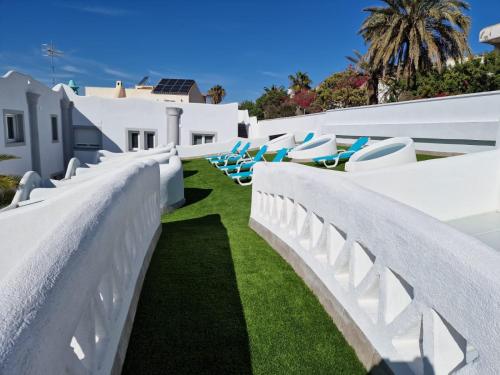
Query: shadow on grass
189	173
190	318
194	195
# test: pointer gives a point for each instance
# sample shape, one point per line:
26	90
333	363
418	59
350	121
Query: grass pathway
218	299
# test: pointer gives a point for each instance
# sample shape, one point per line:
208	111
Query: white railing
70	271
171	178
425	296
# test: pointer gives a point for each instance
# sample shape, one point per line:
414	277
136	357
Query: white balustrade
401	276
67	296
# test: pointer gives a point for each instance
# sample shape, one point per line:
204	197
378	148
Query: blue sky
242	45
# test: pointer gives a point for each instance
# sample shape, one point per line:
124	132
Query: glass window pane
134	140
150	140
209	139
55	135
10	127
197	139
19	128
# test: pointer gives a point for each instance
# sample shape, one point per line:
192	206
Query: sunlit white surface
316	147
387	153
285	141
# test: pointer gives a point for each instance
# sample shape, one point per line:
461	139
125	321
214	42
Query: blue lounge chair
244	164
332	161
308	137
233	151
234	158
238	177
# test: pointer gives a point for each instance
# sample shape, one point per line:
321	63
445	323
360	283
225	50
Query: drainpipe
173	119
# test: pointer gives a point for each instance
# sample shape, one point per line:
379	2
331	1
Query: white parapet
71	268
171	177
403	286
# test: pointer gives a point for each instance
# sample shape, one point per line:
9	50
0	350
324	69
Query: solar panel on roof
173	86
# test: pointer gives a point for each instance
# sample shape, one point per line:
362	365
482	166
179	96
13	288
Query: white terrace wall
13	98
465	123
114	117
69	289
401	285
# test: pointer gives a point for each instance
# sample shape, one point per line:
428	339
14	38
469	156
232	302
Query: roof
173	86
490	34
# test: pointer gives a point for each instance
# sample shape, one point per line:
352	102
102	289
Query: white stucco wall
422	292
114	116
465	123
13	89
72	279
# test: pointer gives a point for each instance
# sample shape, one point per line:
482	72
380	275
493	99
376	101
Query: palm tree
372	71
217	93
411	36
300	81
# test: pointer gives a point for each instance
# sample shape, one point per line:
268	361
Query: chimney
119	90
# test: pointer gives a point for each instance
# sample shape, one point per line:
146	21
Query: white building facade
43	128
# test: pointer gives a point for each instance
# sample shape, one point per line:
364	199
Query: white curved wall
421	292
67	288
171	184
171	176
464	123
284	141
384	154
317	147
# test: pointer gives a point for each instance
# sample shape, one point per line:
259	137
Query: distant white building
491	35
167	90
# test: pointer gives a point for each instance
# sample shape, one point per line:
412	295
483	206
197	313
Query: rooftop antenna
51	51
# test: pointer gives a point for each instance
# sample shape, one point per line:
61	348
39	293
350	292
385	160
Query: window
14	128
149	140
55	131
133	140
199	139
87	137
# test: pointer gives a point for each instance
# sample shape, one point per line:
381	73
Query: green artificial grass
217	299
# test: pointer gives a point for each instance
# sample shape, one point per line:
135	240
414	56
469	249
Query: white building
491	35
167	90
35	126
45	127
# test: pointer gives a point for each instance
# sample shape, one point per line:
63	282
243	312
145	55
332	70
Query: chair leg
244	183
335	163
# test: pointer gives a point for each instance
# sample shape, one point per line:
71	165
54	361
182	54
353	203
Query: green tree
341	90
217	93
299	81
407	37
479	74
252	108
275	102
368	69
